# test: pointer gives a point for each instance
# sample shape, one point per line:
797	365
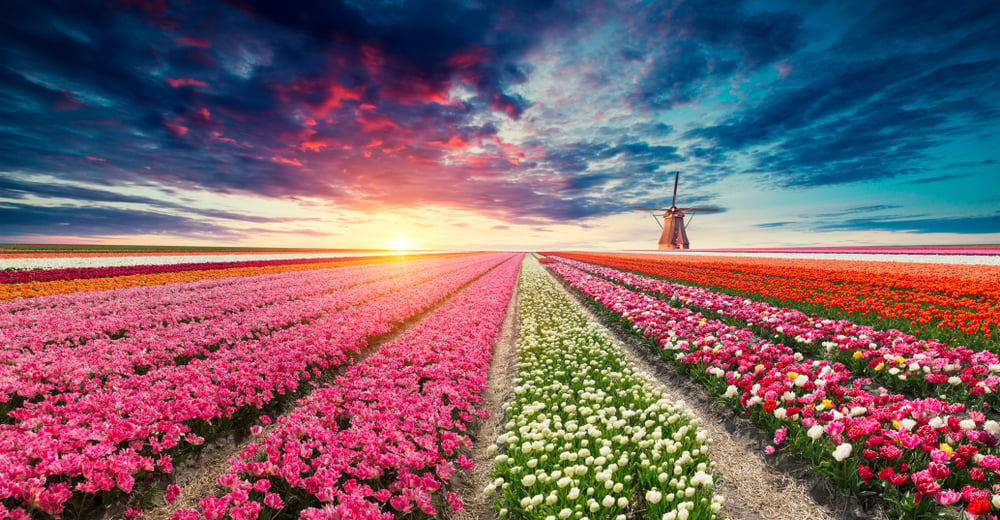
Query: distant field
979	249
91	247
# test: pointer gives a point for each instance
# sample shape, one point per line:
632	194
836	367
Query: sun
400	244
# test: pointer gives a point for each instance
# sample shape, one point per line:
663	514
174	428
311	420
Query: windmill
673	236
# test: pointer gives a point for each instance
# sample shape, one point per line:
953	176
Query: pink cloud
176	129
371	122
505	106
194	42
283	160
454	143
218	136
372	57
337	95
468	58
783	70
184	82
314	145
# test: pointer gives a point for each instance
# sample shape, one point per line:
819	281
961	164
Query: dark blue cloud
771	225
854	210
935	179
980	224
922	25
26	220
698	41
876	103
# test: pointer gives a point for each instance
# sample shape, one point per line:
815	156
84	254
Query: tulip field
882	412
104	390
354	384
947	302
587	434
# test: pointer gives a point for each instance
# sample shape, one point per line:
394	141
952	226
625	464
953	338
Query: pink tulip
377	420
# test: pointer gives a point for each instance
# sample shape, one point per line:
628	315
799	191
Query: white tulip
843	451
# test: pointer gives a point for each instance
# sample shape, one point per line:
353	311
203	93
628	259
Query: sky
499	125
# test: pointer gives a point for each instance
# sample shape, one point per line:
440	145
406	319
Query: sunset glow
401	244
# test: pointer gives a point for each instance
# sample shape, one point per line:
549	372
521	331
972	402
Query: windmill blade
677	178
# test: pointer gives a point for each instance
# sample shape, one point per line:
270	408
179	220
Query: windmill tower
674	236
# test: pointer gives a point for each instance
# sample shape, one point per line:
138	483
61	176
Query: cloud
76	196
698	42
770	225
863	111
417	50
934	179
972	225
21	219
526	112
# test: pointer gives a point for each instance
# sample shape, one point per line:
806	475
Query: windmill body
674	236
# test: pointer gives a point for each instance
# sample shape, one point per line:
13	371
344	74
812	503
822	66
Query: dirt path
755	486
503	368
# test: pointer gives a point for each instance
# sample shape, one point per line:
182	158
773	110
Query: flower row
898	360
21	291
87	443
918	454
33	366
588	434
156	265
384	439
76	261
79	317
917	297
